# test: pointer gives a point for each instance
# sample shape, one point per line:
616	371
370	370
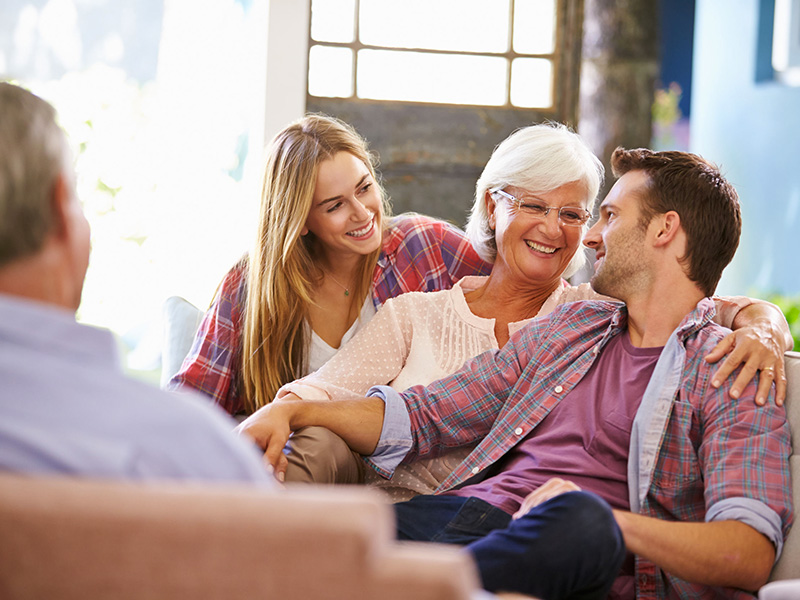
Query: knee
591	525
317	455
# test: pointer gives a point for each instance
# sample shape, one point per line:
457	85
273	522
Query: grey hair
538	158
33	153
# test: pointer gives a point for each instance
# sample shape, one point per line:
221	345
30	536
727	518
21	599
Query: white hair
538	158
33	153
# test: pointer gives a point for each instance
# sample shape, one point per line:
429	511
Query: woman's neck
508	301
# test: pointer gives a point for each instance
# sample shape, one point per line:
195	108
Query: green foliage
790	305
665	105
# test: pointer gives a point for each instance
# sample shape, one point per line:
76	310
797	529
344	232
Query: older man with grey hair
65	406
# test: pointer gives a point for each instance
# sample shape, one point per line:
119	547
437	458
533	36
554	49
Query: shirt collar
53	330
702	314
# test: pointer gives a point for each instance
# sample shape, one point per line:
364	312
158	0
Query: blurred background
169	103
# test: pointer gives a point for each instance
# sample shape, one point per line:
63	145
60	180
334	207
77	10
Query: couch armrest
68	538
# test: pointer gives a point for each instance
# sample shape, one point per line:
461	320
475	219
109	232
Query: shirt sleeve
395	440
744	455
213	361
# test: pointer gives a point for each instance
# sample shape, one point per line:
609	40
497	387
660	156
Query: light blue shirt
66	408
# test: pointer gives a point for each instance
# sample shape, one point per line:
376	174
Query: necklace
345	288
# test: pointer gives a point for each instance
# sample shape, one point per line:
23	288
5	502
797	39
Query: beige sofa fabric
788	566
66	539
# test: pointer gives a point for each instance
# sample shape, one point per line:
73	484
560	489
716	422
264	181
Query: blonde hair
282	272
539	158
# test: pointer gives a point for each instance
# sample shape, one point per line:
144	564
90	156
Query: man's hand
550	489
270	428
759	347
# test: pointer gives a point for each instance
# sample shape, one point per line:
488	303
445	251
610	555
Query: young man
65	406
600	422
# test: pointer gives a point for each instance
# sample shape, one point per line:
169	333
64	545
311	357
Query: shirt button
518	431
475	470
559	389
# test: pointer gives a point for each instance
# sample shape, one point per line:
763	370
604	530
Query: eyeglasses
571	216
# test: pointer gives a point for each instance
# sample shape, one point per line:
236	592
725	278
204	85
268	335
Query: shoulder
573	293
235	279
408	227
415	301
582	309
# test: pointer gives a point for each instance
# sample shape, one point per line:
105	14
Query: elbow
756	570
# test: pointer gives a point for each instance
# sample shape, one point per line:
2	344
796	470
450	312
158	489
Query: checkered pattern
419	254
712	447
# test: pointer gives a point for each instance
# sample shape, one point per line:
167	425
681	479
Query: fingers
764	383
278	470
756	353
780	384
550	489
721	349
274	457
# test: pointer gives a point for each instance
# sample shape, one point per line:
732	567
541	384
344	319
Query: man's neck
653	316
39	278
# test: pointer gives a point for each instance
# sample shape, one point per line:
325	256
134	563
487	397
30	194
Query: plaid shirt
696	454
419	254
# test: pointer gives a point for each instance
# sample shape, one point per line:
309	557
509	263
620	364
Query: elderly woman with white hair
532	206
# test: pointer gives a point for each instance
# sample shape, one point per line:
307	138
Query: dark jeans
567	547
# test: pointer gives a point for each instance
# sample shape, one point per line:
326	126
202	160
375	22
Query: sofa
65	538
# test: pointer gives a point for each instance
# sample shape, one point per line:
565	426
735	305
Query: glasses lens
573	216
535	209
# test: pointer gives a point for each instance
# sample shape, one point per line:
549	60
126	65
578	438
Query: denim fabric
567	547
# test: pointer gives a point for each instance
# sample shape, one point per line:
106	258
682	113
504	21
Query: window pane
460	25
333	20
534	26
422	77
532	83
330	72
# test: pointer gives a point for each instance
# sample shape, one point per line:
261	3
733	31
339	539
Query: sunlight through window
472	52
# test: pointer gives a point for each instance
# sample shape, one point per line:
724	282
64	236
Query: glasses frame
520	204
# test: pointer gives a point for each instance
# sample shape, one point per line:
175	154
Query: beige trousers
318	455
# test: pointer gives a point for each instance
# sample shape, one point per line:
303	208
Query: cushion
181	320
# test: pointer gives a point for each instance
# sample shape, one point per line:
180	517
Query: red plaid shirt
698	454
419	254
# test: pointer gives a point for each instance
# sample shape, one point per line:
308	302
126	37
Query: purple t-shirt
584	439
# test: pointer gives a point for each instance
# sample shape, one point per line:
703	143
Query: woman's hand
759	347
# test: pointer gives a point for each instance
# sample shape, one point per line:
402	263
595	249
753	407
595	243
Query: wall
752	130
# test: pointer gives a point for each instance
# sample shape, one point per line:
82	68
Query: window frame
564	60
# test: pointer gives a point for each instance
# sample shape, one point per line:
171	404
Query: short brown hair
706	202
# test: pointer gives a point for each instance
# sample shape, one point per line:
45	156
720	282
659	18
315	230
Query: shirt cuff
751	512
395	440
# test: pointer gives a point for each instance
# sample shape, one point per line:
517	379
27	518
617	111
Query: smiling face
618	238
533	249
345	213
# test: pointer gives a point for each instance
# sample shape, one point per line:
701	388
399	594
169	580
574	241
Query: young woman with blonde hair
326	256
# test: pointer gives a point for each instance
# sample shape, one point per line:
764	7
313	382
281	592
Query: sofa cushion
788	566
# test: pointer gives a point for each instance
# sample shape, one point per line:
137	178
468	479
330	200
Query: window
163	104
476	52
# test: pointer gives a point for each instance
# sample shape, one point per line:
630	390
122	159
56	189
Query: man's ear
666	227
62	198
